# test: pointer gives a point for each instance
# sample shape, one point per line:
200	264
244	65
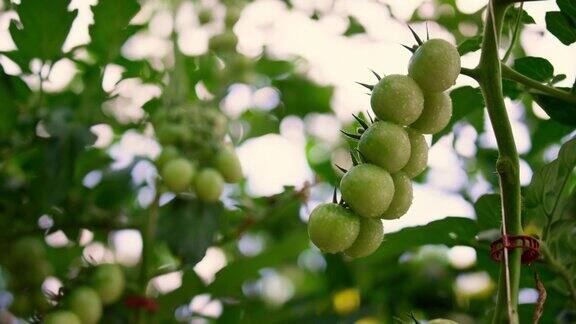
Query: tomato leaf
300	96
558	109
561	26
229	280
548	183
449	231
488	212
189	227
567	7
110	29
470	45
536	68
43	28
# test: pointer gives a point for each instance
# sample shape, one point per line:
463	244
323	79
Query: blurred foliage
57	179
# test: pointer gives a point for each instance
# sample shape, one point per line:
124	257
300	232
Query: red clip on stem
529	245
135	302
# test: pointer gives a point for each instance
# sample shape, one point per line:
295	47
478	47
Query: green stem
148	238
490	80
510	74
558	268
515	34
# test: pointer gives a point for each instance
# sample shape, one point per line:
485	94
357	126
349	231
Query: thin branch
511	74
515	34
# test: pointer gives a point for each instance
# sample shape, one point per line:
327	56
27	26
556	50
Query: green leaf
449	231
558	109
229	280
488	212
548	183
301	96
465	101
191	285
189	227
354	27
257	123
567	7
561	26
43	28
110	29
470	45
13	92
536	68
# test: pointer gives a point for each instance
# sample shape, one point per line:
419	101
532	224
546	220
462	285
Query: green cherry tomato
386	145
397	98
333	228
228	164
209	185
436	114
86	304
435	65
108	280
62	317
419	154
402	196
368	190
178	174
21	305
27	249
168	153
369	238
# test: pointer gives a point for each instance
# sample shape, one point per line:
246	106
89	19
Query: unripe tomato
209	185
35	272
435	65
397	98
171	134
368	190
228	164
369	238
86	304
21	305
333	228
62	317
108	280
436	114
27	249
225	42
168	153
402	196
386	145
419	154
178	174
441	321
346	301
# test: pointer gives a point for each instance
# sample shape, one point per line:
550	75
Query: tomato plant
179	161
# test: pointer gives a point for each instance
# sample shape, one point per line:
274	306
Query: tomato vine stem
490	80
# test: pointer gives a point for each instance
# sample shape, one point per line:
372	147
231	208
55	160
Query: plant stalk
148	239
511	74
490	79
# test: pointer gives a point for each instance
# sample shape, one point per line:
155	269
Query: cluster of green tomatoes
26	260
195	156
84	304
391	151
